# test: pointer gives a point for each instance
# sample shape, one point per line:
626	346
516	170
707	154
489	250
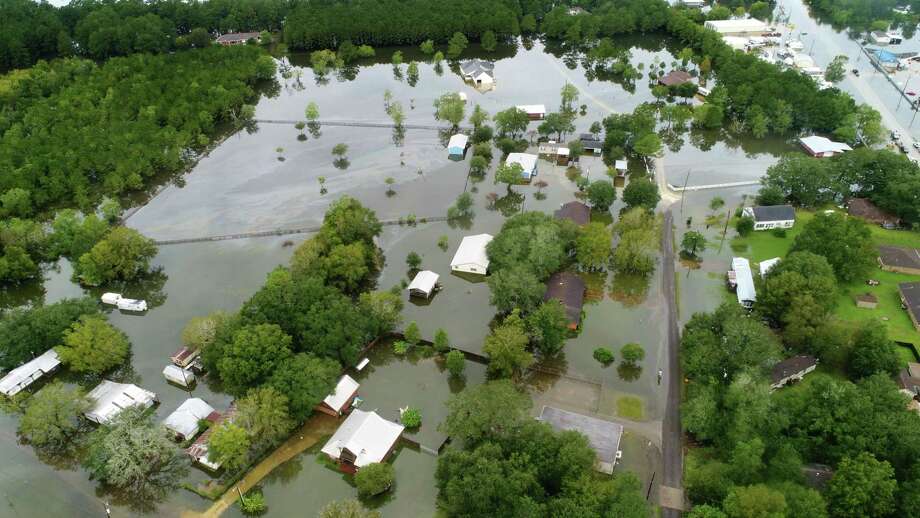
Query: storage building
342	397
110	398
184	421
364	438
471	256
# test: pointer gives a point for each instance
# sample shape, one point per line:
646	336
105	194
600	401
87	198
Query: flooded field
245	186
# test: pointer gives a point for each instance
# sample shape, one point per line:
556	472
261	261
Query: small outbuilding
866	301
28	373
471	256
879	38
456	146
743	281
109	398
342	397
527	162
568	289
424	285
198	451
184	357
909	379
675	78
822	147
535	112
791	370
237	38
574	211
478	71
591	143
182	377
864	208
910	300
603	436
771	216
620	166
184	421
899	259
767	265
363	438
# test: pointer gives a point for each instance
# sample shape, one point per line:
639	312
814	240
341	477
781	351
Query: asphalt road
672	444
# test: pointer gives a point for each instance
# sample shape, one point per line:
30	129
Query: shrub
413	260
632	353
604	355
456	363
442	243
374	479
254	503
411	418
779	232
400	347
441	341
744	226
412	334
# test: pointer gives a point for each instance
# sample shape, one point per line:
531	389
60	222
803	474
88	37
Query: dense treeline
106	28
397	22
101	133
866	15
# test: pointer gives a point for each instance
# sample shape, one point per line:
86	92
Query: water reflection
629	290
629	371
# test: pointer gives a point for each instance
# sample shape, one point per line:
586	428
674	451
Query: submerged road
672	497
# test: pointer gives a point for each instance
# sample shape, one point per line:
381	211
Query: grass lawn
630	407
764	245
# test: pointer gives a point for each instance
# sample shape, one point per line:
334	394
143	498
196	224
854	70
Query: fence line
713	186
362	124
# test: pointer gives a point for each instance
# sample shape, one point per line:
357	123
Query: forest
861	16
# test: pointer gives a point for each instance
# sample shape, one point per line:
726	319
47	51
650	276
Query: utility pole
686	180
903	90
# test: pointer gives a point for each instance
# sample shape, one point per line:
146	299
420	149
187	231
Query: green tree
456	45
641	193
836	70
512	122
744	226
862	487
509	174
451	108
305	380
648	146
548	327
123	255
593	246
493	409
340	149
638	244
135	455
347	509
506	347
770	195
515	288
872	351
252	356
374	479
229	447
601	194
455	363
264	414
412	333
478	117
253	503
93	345
200	332
312	111
478	165
413	260
441	340
488	41
16	202
411	417
603	355
568	97
846	243
73	235
632	353
397	58
52	417
384	310
761	11
705	511
28	332
692	242
427	47
757	501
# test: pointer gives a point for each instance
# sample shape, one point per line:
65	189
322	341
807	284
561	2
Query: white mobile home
110	398
179	376
26	374
744	282
471	256
424	284
184	421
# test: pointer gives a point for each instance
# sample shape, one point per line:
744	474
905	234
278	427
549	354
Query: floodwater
243	186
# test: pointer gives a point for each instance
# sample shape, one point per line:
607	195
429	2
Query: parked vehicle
856	72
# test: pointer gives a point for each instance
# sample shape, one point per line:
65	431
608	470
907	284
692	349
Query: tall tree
862	487
52	417
93	345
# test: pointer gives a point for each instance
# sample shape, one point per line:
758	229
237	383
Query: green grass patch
906	355
630	407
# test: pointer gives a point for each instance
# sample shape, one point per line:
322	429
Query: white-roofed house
110	398
198	451
183	422
21	377
363	438
744	282
478	71
179	376
527	162
471	256
341	398
766	265
456	146
822	147
535	112
424	284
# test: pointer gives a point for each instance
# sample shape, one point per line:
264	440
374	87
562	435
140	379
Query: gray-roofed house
568	289
478	71
910	299
591	143
792	369
574	211
771	216
26	374
675	78
899	259
603	436
237	38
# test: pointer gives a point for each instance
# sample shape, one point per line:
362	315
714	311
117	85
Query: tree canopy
93	345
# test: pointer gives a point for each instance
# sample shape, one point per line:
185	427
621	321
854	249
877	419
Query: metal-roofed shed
603	436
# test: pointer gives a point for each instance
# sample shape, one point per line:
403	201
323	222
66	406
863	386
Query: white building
527	162
110	398
179	376
184	421
770	217
822	147
879	38
478	71
767	265
744	281
745	26
342	396
115	299
364	438
456	146
471	256
424	284
26	374
534	111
